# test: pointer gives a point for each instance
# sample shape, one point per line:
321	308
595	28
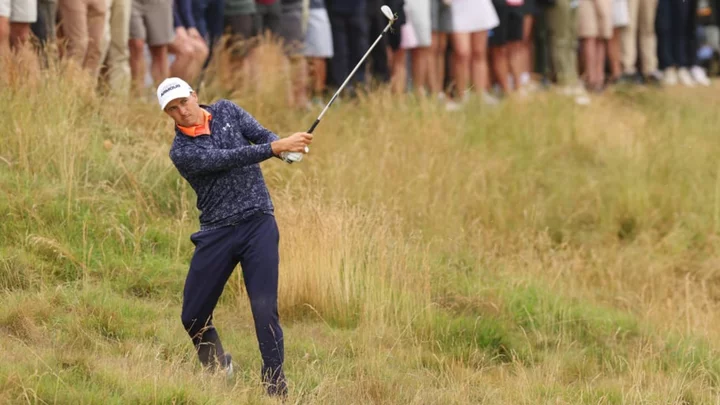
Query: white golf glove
292	157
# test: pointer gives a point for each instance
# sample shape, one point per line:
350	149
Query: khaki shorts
152	21
19	11
595	19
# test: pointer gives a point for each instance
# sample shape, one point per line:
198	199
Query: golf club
387	12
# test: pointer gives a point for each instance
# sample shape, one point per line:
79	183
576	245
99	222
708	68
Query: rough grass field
535	253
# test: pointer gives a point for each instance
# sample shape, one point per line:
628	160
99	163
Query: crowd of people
448	49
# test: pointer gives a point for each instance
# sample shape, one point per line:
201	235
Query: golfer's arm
198	161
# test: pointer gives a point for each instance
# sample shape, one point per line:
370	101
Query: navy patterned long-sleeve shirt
223	167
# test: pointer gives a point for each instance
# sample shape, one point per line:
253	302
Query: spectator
318	47
292	32
151	22
209	17
44	26
350	40
267	18
115	52
595	28
379	65
620	18
15	19
241	24
676	26
562	22
83	23
188	46
506	44
642	25
441	15
529	10
416	36
472	19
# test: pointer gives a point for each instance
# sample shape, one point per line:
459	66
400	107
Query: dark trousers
675	27
379	67
210	19
253	244
350	42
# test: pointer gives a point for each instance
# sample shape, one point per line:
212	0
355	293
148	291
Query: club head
387	12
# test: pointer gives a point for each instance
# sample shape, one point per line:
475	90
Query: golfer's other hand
293	143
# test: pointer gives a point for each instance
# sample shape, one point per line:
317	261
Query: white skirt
318	37
418	15
473	15
621	13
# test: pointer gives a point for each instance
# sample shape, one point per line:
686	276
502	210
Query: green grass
529	254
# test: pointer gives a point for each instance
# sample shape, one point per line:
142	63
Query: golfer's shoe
227	366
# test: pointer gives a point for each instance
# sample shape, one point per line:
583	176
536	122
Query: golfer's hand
293	143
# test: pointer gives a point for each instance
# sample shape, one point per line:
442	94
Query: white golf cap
172	88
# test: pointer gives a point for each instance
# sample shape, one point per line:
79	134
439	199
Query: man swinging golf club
217	149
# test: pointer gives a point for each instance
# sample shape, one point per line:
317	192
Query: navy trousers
675	25
254	245
350	42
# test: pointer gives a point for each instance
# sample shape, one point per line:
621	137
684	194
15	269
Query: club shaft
347	80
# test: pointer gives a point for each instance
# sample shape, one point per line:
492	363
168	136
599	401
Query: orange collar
200	129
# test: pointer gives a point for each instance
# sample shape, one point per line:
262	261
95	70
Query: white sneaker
452	105
684	78
670	77
489	99
698	74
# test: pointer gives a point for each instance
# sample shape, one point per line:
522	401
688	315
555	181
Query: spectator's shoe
452	105
489	99
654	79
629	79
698	74
670	77
684	78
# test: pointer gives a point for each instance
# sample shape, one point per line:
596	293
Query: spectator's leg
379	67
629	39
137	64
461	61
4	35
603	9
358	44
680	20
160	33
614	54
557	16
437	62
75	28
118	54
499	58
665	40
480	70
160	69
319	67
214	16
421	58
200	8
96	28
589	53
339	62
182	48
525	51
399	71
648	40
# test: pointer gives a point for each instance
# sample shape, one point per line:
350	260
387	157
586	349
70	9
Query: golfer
217	149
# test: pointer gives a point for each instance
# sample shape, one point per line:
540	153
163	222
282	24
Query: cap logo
167	89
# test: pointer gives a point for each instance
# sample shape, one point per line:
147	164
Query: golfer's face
185	111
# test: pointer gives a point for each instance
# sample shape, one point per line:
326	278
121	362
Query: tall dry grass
533	253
